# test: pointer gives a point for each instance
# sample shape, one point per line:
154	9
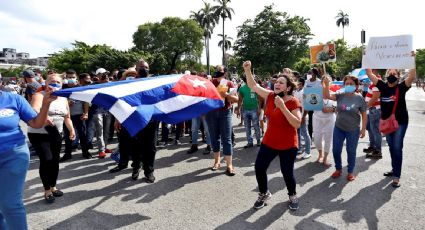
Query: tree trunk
208	56
343	32
224	59
173	62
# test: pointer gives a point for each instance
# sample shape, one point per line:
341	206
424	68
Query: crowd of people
273	107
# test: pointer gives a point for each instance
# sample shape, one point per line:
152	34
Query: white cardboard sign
393	52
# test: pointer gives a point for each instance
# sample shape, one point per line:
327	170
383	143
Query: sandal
230	171
336	174
215	167
395	184
49	198
57	193
351	177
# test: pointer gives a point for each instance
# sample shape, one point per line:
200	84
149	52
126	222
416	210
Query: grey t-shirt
348	111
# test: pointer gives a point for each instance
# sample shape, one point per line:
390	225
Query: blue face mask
72	81
130	78
349	89
55	86
37	78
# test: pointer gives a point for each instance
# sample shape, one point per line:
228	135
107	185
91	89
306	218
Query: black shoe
150	178
87	155
249	145
207	150
135	174
375	154
262	199
49	198
193	149
258	143
57	193
65	157
388	174
90	146
117	169
368	150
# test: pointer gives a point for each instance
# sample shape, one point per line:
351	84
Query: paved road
187	195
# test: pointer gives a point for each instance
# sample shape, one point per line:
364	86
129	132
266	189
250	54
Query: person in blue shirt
14	155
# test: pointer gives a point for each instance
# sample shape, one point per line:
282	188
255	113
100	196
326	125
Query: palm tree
227	42
207	20
342	19
224	11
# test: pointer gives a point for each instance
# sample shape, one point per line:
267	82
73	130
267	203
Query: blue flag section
313	98
168	98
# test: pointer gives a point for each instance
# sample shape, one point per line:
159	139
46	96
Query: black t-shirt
387	101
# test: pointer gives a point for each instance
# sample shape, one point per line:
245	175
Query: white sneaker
305	156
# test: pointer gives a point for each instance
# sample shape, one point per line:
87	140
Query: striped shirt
372	88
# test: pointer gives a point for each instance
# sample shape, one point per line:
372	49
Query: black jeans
141	148
310	124
80	128
47	147
265	157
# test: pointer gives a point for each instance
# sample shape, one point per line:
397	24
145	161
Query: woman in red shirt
284	116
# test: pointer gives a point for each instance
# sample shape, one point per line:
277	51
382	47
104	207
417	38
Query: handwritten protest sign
313	98
389	53
323	53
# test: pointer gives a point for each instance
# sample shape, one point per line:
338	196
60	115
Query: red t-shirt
227	104
280	134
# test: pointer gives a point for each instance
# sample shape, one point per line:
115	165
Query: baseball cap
28	73
101	71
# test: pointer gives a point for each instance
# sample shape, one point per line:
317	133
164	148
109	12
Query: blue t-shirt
13	108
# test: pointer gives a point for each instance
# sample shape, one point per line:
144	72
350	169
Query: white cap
100	71
187	72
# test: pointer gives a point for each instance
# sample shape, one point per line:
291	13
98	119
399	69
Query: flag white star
196	83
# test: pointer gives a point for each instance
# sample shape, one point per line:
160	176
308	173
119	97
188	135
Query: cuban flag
360	74
336	86
169	98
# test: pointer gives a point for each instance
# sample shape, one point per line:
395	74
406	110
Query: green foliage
420	63
12	72
169	41
303	65
272	41
85	58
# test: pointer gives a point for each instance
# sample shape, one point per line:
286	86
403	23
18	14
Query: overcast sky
40	27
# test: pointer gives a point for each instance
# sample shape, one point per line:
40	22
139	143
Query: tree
227	42
207	20
224	11
85	58
170	40
272	41
342	20
420	63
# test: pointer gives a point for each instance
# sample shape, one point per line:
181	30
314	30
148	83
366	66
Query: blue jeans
302	131
196	123
375	137
248	117
351	146
13	169
395	142
220	127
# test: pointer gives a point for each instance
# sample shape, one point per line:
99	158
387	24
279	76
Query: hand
49	121
223	94
278	101
325	79
72	134
84	117
117	126
362	133
238	112
247	65
48	98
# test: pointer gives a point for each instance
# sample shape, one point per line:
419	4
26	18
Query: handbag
390	124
